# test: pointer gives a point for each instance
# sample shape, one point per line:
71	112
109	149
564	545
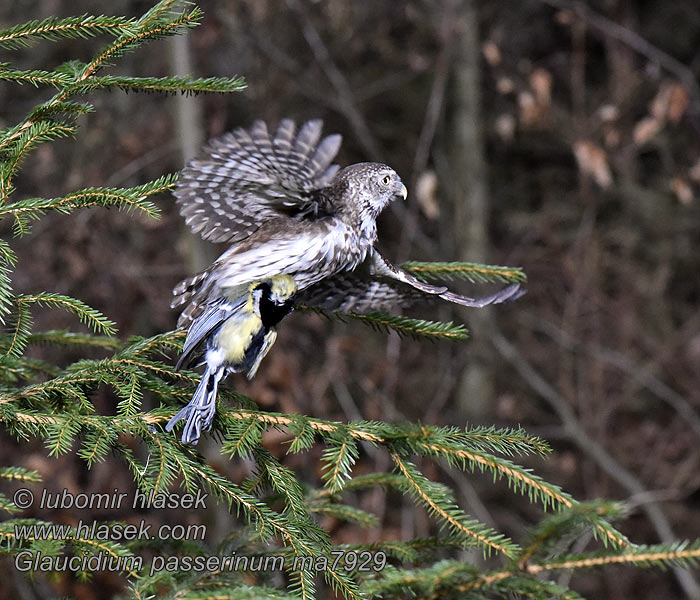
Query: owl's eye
386	180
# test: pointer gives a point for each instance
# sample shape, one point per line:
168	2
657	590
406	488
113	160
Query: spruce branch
436	581
44	542
14	369
71	338
35	77
268	524
7	505
168	85
160	10
526	587
683	554
8	260
242	437
439	502
36	133
338	458
519	478
98	442
159	22
473	272
556	532
134	198
130	392
140	32
54	29
21	327
19	474
680	554
404	326
284	484
344	512
413	327
68	107
87	315
362	482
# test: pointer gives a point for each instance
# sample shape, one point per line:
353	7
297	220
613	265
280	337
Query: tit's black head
273	304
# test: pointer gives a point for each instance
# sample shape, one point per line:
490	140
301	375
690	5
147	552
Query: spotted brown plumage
285	208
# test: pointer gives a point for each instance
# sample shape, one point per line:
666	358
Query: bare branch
594	450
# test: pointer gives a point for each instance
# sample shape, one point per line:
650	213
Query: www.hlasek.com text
26	561
114	532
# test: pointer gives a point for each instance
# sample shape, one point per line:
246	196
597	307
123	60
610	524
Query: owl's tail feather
191	291
199	412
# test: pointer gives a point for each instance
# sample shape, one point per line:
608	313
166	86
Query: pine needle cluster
282	513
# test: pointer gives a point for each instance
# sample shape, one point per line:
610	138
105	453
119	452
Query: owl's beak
403	192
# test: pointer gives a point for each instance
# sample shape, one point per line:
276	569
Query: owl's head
370	187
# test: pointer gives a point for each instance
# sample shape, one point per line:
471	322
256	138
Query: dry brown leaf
694	348
677	103
505	85
426	194
564	17
670	103
608	112
681	188
505	127
646	129
612	138
694	172
658	107
593	161
529	110
541	84
492	53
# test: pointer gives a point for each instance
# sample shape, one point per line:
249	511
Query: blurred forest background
562	137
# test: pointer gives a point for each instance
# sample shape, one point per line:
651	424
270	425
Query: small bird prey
234	333
284	208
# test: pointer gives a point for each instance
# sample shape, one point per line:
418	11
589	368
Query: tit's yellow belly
236	337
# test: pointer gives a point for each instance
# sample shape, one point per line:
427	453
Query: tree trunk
471	205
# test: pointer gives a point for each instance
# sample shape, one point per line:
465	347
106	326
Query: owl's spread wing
380	266
389	288
249	176
348	293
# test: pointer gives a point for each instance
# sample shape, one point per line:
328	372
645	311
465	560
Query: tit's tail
199	412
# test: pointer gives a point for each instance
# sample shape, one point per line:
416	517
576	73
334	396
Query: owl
284	208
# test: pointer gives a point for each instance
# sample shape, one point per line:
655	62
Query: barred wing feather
369	289
248	177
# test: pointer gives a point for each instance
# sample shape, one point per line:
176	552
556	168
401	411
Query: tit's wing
366	290
213	315
267	343
249	176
